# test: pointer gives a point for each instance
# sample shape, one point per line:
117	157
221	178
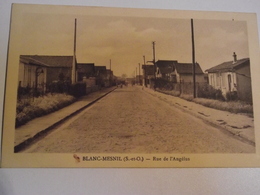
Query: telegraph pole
139	76
110	73
193	60
144	72
135	74
73	71
154	58
154	63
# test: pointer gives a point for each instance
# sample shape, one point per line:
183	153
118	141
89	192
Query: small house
148	73
85	70
176	72
35	71
101	75
232	76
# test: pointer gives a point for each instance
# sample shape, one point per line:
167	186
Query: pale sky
125	40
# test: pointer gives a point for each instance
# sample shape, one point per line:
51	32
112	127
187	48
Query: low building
101	76
148	74
176	72
37	71
85	71
232	76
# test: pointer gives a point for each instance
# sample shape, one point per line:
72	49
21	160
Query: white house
232	76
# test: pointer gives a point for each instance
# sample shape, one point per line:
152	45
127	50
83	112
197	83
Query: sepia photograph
118	87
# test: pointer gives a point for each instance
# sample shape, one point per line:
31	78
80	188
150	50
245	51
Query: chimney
235	57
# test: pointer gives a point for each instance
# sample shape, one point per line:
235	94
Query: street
130	120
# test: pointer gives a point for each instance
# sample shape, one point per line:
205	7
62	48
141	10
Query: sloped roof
86	67
187	68
168	66
110	72
48	61
101	70
229	66
149	69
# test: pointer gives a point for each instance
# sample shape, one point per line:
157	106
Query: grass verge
230	106
28	109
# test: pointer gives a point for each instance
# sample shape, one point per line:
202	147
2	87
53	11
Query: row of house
173	71
229	76
37	71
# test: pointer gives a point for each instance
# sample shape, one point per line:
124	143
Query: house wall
187	78
90	82
53	74
21	75
27	75
244	88
225	81
239	81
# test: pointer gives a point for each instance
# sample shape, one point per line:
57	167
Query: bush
161	83
207	91
78	89
231	96
232	106
187	97
59	87
27	110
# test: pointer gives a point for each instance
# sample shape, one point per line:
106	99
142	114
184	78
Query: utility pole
73	71
193	60
144	71
139	78
135	74
154	63
110	73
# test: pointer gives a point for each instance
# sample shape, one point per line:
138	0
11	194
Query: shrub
231	96
187	97
161	83
207	91
27	110
78	89
59	87
232	106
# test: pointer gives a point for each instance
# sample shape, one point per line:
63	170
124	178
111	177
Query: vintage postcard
120	87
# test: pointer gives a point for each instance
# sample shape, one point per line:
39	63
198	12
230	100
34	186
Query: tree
124	76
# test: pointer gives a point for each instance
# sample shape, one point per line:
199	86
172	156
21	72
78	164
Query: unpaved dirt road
129	120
